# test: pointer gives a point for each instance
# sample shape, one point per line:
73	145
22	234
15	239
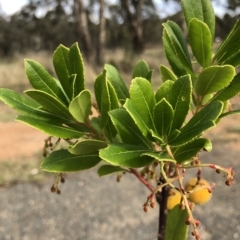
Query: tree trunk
134	21
82	28
101	33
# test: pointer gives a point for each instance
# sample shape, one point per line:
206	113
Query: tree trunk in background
82	28
101	33
134	21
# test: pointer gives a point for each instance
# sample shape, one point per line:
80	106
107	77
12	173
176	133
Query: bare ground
93	208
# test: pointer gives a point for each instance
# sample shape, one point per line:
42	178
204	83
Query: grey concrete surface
93	208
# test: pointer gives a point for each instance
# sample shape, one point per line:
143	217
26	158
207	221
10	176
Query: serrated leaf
77	67
41	80
86	146
229	113
27	106
229	50
49	102
163	115
64	161
230	91
80	107
143	99
62	68
127	129
116	80
200	122
109	169
171	55
180	100
161	157
113	96
176	40
188	151
141	69
213	79
202	10
50	127
129	106
102	96
176	227
164	91
167	74
18	102
72	83
156	137
200	39
125	155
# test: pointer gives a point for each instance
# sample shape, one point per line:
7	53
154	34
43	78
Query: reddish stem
142	179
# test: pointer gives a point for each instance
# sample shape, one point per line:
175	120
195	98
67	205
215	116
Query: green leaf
213	79
164	91
163	115
72	81
127	129
50	127
162	156
49	102
77	67
201	121
180	100
86	146
18	102
27	106
230	91
62	68
167	74
229	50
176	227
188	151
129	106
171	55
229	113
125	155
115	79
102	97
109	169
143	99
176	40
202	10
110	129
156	137
64	161
141	69
113	96
41	80
80	107
200	39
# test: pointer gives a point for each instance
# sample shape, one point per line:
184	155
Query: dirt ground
30	211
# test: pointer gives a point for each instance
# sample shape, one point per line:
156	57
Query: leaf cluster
132	127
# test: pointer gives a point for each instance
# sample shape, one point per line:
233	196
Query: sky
11	6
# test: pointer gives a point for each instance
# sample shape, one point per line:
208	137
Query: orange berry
174	198
198	195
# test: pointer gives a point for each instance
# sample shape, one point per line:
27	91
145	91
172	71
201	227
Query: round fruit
174	198
198	195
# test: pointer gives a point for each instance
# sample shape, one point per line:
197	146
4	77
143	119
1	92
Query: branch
142	179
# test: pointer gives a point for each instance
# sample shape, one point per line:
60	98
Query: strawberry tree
138	130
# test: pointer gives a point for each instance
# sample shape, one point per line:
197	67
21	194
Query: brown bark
101	33
134	21
82	28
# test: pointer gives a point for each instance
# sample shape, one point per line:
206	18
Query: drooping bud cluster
55	187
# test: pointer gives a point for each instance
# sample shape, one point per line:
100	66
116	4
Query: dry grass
12	73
